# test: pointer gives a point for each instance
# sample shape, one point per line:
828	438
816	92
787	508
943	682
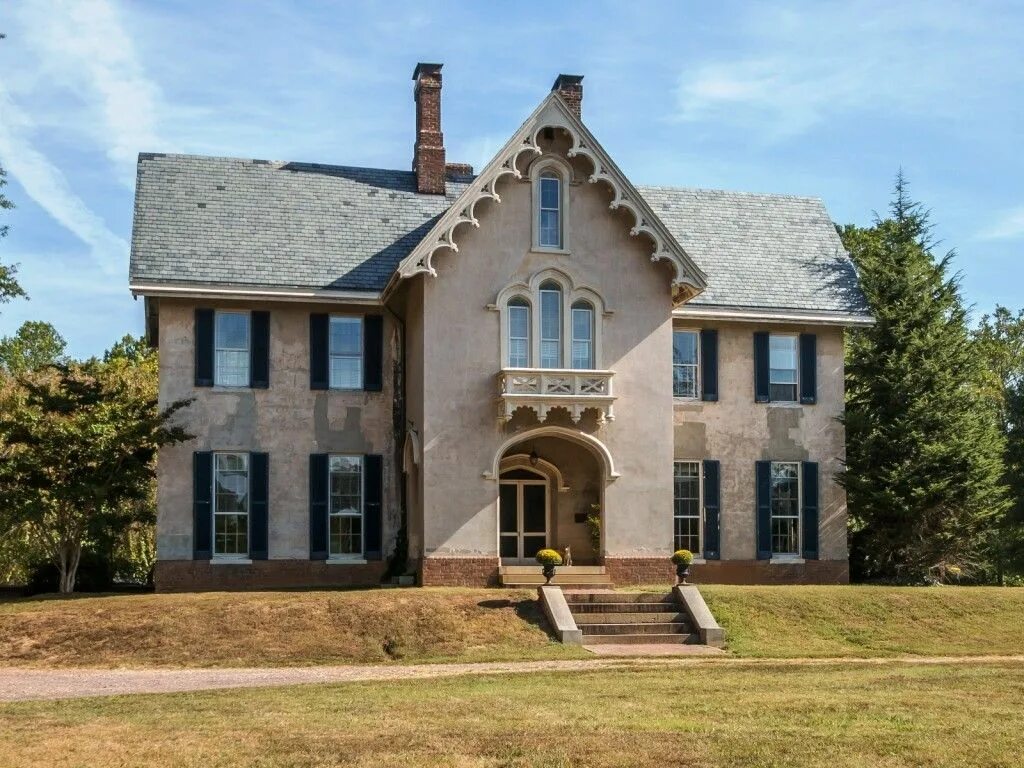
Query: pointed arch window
583	335
550	324
549	224
518	333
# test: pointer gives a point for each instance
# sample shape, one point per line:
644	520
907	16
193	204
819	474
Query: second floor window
684	363
582	336
550	325
346	352
518	333
231	342
782	357
550	211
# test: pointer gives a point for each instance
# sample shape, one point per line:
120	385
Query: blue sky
817	98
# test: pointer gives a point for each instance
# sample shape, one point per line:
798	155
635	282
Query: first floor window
346	352
684	364
231	341
582	336
518	333
687	505
785	503
231	504
782	368
345	520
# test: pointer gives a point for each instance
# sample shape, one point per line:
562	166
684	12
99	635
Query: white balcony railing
542	389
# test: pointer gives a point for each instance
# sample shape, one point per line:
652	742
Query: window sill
784	560
677	400
346	561
783	404
230	561
699	561
542	249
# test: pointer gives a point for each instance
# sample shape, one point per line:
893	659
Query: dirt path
35	684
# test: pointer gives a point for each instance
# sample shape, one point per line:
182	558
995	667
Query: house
457	369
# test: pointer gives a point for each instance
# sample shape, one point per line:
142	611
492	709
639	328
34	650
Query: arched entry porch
550	480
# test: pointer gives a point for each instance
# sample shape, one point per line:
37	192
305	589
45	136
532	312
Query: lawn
437	624
771	714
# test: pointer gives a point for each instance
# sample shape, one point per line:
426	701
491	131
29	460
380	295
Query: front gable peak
555	113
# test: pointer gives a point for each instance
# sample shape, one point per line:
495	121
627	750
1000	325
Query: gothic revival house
444	371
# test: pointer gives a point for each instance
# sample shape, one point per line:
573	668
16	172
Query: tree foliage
999	340
78	443
924	454
33	346
9	288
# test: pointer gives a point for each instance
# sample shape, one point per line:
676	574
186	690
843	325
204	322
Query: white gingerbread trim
596	447
688	279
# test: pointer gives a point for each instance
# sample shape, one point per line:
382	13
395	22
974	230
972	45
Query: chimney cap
566	81
424	68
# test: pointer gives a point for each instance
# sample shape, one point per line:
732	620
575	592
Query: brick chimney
570	88
428	155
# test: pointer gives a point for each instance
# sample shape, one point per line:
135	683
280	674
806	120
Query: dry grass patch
218	629
769	715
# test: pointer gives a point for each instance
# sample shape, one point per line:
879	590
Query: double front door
523	517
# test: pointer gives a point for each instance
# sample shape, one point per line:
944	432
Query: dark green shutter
259	350
764	510
259	500
810	511
204	347
712	507
202	507
319	491
709	364
373	353
808	369
319	348
373	493
762	372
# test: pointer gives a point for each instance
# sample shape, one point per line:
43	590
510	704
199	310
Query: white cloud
46	184
1009	226
84	47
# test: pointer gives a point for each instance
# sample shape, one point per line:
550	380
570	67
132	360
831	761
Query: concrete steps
630	618
568	577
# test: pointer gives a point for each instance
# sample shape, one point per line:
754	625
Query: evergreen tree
924	452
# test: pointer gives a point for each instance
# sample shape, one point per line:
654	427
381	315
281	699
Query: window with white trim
549	210
782	364
231	344
345	516
231	505
518	333
345	348
550	325
687	505
582	335
785	506
685	363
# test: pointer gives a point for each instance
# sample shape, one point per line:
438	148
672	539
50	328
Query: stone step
621	597
598	608
505	570
565	579
669	628
652	617
669	639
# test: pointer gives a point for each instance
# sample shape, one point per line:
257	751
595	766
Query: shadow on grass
526	610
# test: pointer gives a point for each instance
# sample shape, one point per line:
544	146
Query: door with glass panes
522	516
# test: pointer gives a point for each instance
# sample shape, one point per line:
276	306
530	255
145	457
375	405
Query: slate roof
215	220
275	224
761	251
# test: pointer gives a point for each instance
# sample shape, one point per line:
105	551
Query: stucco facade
472	456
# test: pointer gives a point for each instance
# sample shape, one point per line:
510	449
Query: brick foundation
198	575
459	572
625	571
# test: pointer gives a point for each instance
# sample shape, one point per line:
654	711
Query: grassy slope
423	625
784	622
771	715
275	628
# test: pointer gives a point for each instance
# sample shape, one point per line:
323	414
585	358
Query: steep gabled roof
552	112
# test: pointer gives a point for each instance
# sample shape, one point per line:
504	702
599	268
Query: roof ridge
740	193
262	161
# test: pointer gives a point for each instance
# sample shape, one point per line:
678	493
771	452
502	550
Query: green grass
436	624
771	714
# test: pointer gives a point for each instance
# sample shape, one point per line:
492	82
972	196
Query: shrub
549	557
682	557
